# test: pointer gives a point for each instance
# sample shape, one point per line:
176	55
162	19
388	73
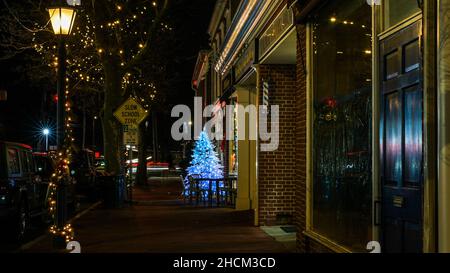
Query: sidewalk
161	223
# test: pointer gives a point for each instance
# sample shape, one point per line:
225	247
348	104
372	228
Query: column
444	126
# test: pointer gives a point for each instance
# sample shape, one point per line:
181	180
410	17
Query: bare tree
118	48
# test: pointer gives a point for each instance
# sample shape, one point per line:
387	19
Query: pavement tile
160	222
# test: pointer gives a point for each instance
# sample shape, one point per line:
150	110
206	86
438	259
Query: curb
42	237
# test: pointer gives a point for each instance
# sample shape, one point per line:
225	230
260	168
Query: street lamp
62	17
46	133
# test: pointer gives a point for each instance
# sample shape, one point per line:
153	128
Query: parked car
85	172
22	190
45	167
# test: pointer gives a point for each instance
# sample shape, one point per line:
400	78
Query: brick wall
300	147
276	180
282	173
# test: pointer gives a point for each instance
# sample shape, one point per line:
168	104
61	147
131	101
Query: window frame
309	230
398	25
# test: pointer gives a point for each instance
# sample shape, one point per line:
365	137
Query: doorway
401	140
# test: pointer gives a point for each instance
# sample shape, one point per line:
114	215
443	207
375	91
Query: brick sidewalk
166	225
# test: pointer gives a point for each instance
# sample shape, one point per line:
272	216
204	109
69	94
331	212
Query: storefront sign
279	27
246	60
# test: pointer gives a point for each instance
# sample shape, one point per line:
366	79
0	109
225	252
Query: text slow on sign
131	113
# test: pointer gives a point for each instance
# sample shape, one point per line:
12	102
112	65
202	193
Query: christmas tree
205	162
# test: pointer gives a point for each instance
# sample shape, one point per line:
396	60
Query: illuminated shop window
342	86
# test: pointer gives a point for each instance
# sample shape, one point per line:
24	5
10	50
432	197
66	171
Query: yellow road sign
131	113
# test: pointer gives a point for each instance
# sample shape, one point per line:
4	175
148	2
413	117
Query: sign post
131	114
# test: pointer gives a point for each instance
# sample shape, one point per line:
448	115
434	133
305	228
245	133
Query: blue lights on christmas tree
205	162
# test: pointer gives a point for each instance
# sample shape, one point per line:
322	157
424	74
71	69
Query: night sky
30	102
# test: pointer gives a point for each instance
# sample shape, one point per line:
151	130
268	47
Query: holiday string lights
85	67
85	53
62	175
205	162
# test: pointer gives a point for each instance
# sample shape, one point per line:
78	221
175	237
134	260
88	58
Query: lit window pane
342	81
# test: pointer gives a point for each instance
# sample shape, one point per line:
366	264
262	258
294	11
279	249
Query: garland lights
86	72
62	174
129	20
83	65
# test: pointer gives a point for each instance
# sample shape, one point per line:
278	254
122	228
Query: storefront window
396	11
342	85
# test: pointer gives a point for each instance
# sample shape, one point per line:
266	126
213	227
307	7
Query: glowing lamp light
46	132
62	18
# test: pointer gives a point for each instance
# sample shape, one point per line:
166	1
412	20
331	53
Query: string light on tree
130	31
205	162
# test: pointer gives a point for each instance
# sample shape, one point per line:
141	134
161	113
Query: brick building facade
276	182
300	139
331	66
266	180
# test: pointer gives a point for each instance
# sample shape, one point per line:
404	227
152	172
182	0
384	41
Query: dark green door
401	140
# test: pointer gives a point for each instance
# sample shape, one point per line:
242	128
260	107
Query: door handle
377	213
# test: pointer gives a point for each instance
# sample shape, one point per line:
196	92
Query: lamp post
46	133
62	17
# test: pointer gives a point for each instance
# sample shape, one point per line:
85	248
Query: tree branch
151	33
16	18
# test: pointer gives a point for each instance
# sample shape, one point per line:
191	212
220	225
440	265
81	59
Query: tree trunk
142	167
111	127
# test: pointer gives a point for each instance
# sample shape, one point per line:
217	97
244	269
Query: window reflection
342	65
